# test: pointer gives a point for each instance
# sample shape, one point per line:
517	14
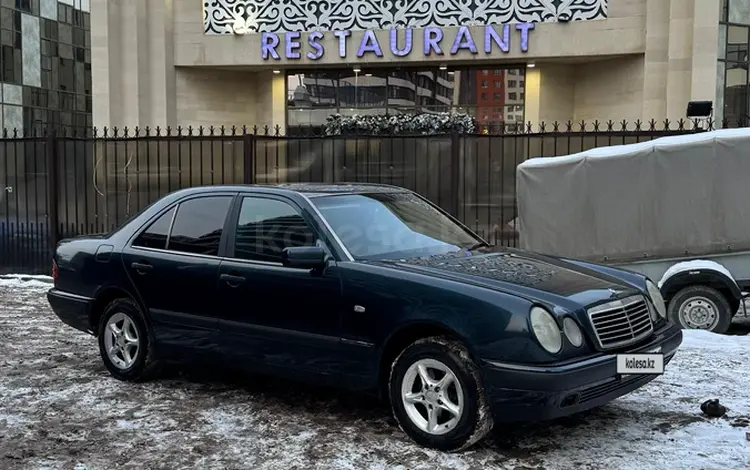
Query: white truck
676	209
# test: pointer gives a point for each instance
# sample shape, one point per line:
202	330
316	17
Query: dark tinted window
155	236
198	225
266	226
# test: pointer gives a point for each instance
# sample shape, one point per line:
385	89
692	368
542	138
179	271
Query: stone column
133	63
656	60
680	58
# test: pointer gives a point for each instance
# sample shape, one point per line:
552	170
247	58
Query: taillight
55	270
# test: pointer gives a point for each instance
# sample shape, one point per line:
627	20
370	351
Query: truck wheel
701	308
437	396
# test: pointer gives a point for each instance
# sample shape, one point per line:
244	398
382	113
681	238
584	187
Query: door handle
231	280
141	267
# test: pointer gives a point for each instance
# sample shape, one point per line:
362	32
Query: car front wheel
124	342
437	397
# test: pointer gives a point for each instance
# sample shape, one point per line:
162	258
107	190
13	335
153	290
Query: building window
24	5
512	84
313	97
732	104
497	72
485	72
513	96
498	84
737	43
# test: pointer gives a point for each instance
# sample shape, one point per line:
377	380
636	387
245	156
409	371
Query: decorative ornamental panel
260	16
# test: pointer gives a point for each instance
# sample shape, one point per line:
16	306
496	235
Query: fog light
573	332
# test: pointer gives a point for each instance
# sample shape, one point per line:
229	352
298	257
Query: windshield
393	225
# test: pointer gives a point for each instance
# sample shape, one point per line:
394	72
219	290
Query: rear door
174	264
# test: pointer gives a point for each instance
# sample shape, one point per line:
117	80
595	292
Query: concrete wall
678	65
610	90
153	64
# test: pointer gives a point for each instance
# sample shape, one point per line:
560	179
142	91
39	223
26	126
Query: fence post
455	173
249	158
53	216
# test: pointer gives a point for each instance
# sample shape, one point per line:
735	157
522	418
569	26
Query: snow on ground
59	409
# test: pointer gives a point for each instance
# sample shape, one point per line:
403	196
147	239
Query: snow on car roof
351	188
629	149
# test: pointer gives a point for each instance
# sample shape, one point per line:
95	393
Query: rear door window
199	224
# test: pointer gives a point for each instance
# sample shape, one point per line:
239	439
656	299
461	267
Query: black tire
145	366
475	421
692	292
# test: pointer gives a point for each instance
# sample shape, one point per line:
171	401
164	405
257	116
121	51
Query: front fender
699	272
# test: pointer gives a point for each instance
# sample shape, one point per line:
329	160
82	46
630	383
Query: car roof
321	189
307	189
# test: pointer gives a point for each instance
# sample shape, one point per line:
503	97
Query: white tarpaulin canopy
671	196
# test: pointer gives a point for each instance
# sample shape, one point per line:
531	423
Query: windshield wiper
476	246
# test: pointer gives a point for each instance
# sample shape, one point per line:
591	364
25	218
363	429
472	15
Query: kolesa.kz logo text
640	363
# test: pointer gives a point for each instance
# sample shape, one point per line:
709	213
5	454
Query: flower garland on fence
401	124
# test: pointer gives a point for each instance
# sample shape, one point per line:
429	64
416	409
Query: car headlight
546	330
573	332
656	299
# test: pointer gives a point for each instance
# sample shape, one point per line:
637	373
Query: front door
174	265
274	316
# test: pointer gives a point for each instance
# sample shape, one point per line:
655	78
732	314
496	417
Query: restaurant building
293	63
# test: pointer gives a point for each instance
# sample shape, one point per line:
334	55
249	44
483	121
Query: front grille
621	322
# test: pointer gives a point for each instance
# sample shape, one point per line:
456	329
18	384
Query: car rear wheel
701	308
125	342
437	397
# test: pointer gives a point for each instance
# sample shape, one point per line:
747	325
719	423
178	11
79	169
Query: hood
528	275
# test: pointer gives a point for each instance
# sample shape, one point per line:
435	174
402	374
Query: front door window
267	226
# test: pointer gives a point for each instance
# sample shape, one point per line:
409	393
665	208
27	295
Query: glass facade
732	70
493	95
45	63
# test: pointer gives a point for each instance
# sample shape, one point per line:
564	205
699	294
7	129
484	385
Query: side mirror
304	257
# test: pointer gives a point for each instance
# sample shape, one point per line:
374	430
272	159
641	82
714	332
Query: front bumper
535	393
72	309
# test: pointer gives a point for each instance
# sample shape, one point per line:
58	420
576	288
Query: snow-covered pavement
59	409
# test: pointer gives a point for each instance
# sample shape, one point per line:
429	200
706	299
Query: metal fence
57	185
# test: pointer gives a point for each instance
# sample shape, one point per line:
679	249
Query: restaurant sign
290	45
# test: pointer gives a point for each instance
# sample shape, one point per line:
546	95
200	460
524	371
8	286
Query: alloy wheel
432	396
121	341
